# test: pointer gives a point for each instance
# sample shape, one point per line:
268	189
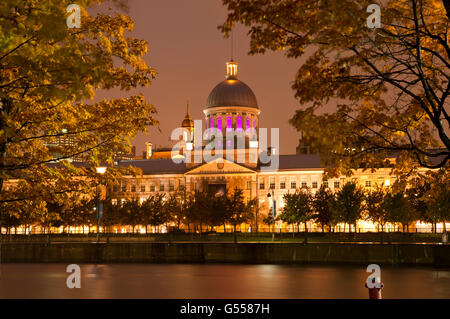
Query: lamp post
100	170
274	203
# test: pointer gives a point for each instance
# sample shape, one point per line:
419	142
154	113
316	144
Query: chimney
148	153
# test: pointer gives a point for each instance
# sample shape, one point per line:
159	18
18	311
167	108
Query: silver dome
231	92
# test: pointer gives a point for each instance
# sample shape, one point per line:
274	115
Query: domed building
232	107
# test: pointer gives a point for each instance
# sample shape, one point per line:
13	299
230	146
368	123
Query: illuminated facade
233	105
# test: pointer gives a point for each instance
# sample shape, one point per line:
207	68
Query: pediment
220	166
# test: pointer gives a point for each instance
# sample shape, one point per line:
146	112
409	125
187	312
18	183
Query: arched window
239	123
229	123
219	123
247	126
211	123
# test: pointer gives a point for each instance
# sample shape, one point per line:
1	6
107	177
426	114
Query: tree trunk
306	235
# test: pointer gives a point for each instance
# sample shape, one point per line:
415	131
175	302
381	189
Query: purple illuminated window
228	143
211	125
229	123
239	123
219	123
254	125
248	125
219	144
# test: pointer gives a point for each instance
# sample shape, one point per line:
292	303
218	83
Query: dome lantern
231	70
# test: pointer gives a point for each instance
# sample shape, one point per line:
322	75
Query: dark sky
189	54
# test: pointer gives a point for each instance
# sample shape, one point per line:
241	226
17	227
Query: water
218	281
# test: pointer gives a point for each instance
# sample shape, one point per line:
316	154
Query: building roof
231	92
297	161
156	166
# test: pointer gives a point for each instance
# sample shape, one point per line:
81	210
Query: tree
390	85
437	197
348	204
131	213
238	211
152	210
399	208
321	206
297	209
374	207
173	210
48	76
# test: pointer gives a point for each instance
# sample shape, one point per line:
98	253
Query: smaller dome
187	122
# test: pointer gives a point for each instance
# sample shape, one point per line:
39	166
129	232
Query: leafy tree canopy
48	77
390	84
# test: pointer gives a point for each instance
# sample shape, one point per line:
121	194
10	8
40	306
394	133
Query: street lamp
274	203
100	170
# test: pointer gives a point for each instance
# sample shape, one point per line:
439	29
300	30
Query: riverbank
241	253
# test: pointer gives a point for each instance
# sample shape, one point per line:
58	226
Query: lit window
304	185
219	144
261	185
152	187
239	123
272	183
283	185
211	123
219	123
229	123
325	184
247	126
387	182
142	188
124	187
161	187
314	184
368	183
228	144
114	201
133	188
293	185
336	184
249	185
171	186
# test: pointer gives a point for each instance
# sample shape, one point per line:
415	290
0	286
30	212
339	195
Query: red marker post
375	293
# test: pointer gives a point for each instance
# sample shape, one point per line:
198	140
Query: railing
266	236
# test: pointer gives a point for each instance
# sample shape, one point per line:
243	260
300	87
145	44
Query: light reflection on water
218	281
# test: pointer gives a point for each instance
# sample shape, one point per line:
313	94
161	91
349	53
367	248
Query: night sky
189	54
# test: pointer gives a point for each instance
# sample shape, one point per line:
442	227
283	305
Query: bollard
375	293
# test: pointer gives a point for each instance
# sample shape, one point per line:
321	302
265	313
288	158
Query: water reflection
218	281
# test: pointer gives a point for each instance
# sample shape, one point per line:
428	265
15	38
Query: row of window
229	123
144	188
262	185
162	188
336	184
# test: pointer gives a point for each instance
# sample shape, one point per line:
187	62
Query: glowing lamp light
189	146
253	144
231	69
101	169
387	182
